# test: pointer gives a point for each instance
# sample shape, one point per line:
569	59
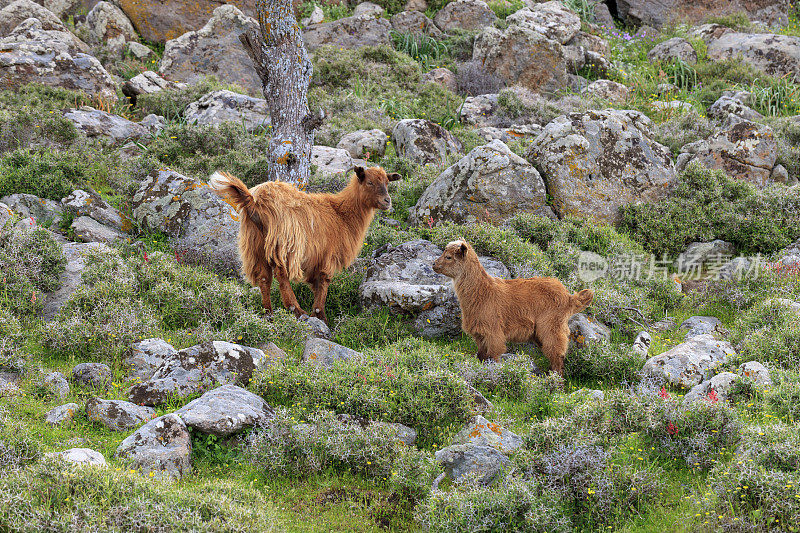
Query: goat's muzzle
385	204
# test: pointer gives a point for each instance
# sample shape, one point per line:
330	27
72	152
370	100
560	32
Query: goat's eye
369	183
448	257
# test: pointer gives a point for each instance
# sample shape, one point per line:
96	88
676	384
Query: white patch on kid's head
456	243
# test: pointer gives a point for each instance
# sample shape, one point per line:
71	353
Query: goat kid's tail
233	191
582	299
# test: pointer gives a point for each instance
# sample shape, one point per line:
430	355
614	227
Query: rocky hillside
647	150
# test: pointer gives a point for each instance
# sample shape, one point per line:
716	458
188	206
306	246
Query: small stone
118	415
81	456
57	384
61	414
326	353
481	432
92	375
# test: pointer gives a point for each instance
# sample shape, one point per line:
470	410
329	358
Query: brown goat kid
495	310
300	236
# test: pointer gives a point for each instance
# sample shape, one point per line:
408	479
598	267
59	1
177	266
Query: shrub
172	104
45	173
17	448
473	80
682	129
583	425
510	380
428	51
787	133
31	261
699	434
784	397
374	328
768	333
512	504
201	150
707	205
32	115
324	443
601	362
405	387
596	491
334	67
56	496
758	489
10	338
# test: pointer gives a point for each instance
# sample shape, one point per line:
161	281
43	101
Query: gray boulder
700	325
107	25
14	13
414	23
641	345
462	461
29	205
368	9
479	110
227	106
481	432
56	384
608	90
203	226
148	82
163	446
213	49
199	368
701	253
95	123
138	50
721	384
82	203
225	410
326	353
349	32
690	362
147	356
89	230
422	141
331	161
524	133
757	372
96	375
362	144
659	13
776	55
61	414
69	280
464	15
441	76
489	183
596	162
743	149
733	104
584	331
31	53
522	56
80	456
673	49
118	415
552	19
403	280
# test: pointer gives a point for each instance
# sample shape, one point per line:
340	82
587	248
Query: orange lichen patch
495	428
475	433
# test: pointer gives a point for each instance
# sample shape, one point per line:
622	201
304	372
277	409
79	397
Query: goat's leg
287	294
554	347
320	288
265	284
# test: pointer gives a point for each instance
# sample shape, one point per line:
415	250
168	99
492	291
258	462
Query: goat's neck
353	211
473	280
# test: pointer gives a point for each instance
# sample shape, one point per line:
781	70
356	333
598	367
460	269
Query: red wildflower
671	429
664	394
430	222
712	396
146	259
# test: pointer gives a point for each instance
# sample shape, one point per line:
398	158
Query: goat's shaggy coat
299	236
495	310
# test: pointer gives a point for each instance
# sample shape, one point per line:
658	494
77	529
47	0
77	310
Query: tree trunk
281	61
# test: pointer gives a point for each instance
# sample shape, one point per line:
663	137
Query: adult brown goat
495	310
300	236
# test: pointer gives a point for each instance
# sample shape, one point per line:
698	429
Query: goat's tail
233	191
581	300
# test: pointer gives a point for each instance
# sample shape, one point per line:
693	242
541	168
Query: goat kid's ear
360	173
394	176
462	251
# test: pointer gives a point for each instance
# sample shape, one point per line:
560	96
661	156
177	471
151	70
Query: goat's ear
360	173
462	251
394	176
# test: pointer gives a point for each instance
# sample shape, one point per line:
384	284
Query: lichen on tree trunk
282	63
